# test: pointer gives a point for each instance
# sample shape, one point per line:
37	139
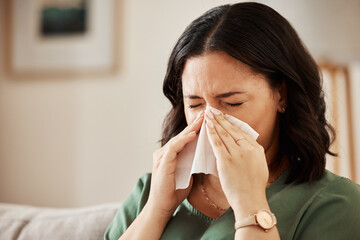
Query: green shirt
326	209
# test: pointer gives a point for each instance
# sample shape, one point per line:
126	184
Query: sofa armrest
23	222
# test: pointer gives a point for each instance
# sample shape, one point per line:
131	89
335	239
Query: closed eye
194	106
234	104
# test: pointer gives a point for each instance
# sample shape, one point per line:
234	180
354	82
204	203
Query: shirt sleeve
130	209
334	213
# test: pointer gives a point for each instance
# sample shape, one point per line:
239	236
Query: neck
276	169
276	161
212	182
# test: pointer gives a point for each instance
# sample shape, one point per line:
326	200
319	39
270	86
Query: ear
282	97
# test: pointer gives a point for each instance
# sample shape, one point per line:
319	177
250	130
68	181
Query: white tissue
198	156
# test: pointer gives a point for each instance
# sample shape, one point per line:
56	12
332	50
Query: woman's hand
241	164
163	198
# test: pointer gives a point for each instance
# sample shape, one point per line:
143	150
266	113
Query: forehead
217	72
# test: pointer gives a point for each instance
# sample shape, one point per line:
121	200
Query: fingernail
210	124
210	115
215	111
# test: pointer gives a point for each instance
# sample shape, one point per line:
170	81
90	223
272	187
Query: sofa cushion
23	222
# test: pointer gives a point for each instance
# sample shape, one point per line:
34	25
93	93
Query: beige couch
23	222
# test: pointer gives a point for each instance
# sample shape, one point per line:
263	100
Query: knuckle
234	129
185	129
240	154
173	139
218	143
225	134
211	130
168	155
228	159
167	152
170	147
170	141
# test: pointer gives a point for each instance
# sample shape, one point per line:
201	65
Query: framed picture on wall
60	37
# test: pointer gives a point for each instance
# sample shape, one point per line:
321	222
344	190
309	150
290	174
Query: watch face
265	219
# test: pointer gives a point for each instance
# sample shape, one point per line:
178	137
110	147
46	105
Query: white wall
82	141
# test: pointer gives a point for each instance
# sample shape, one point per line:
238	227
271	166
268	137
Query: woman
243	60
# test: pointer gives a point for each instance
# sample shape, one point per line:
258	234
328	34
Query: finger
216	143
222	134
175	147
236	132
228	139
250	136
195	125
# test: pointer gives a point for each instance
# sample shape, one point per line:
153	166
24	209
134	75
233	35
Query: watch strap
254	220
248	221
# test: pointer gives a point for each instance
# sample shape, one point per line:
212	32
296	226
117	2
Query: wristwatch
263	218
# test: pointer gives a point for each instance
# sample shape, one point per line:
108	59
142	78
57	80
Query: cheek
190	115
267	126
263	119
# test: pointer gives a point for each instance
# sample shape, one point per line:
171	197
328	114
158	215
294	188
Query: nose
211	102
215	105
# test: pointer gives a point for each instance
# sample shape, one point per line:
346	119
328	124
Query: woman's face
218	80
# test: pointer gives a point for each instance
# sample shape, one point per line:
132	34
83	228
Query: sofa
24	222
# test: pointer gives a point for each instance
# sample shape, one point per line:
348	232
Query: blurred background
81	103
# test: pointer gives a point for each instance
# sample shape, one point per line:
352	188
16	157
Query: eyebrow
222	95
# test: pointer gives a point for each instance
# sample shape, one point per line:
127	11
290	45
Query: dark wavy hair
258	36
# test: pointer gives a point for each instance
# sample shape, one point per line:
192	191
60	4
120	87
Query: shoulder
334	186
335	205
144	181
338	192
130	208
140	192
